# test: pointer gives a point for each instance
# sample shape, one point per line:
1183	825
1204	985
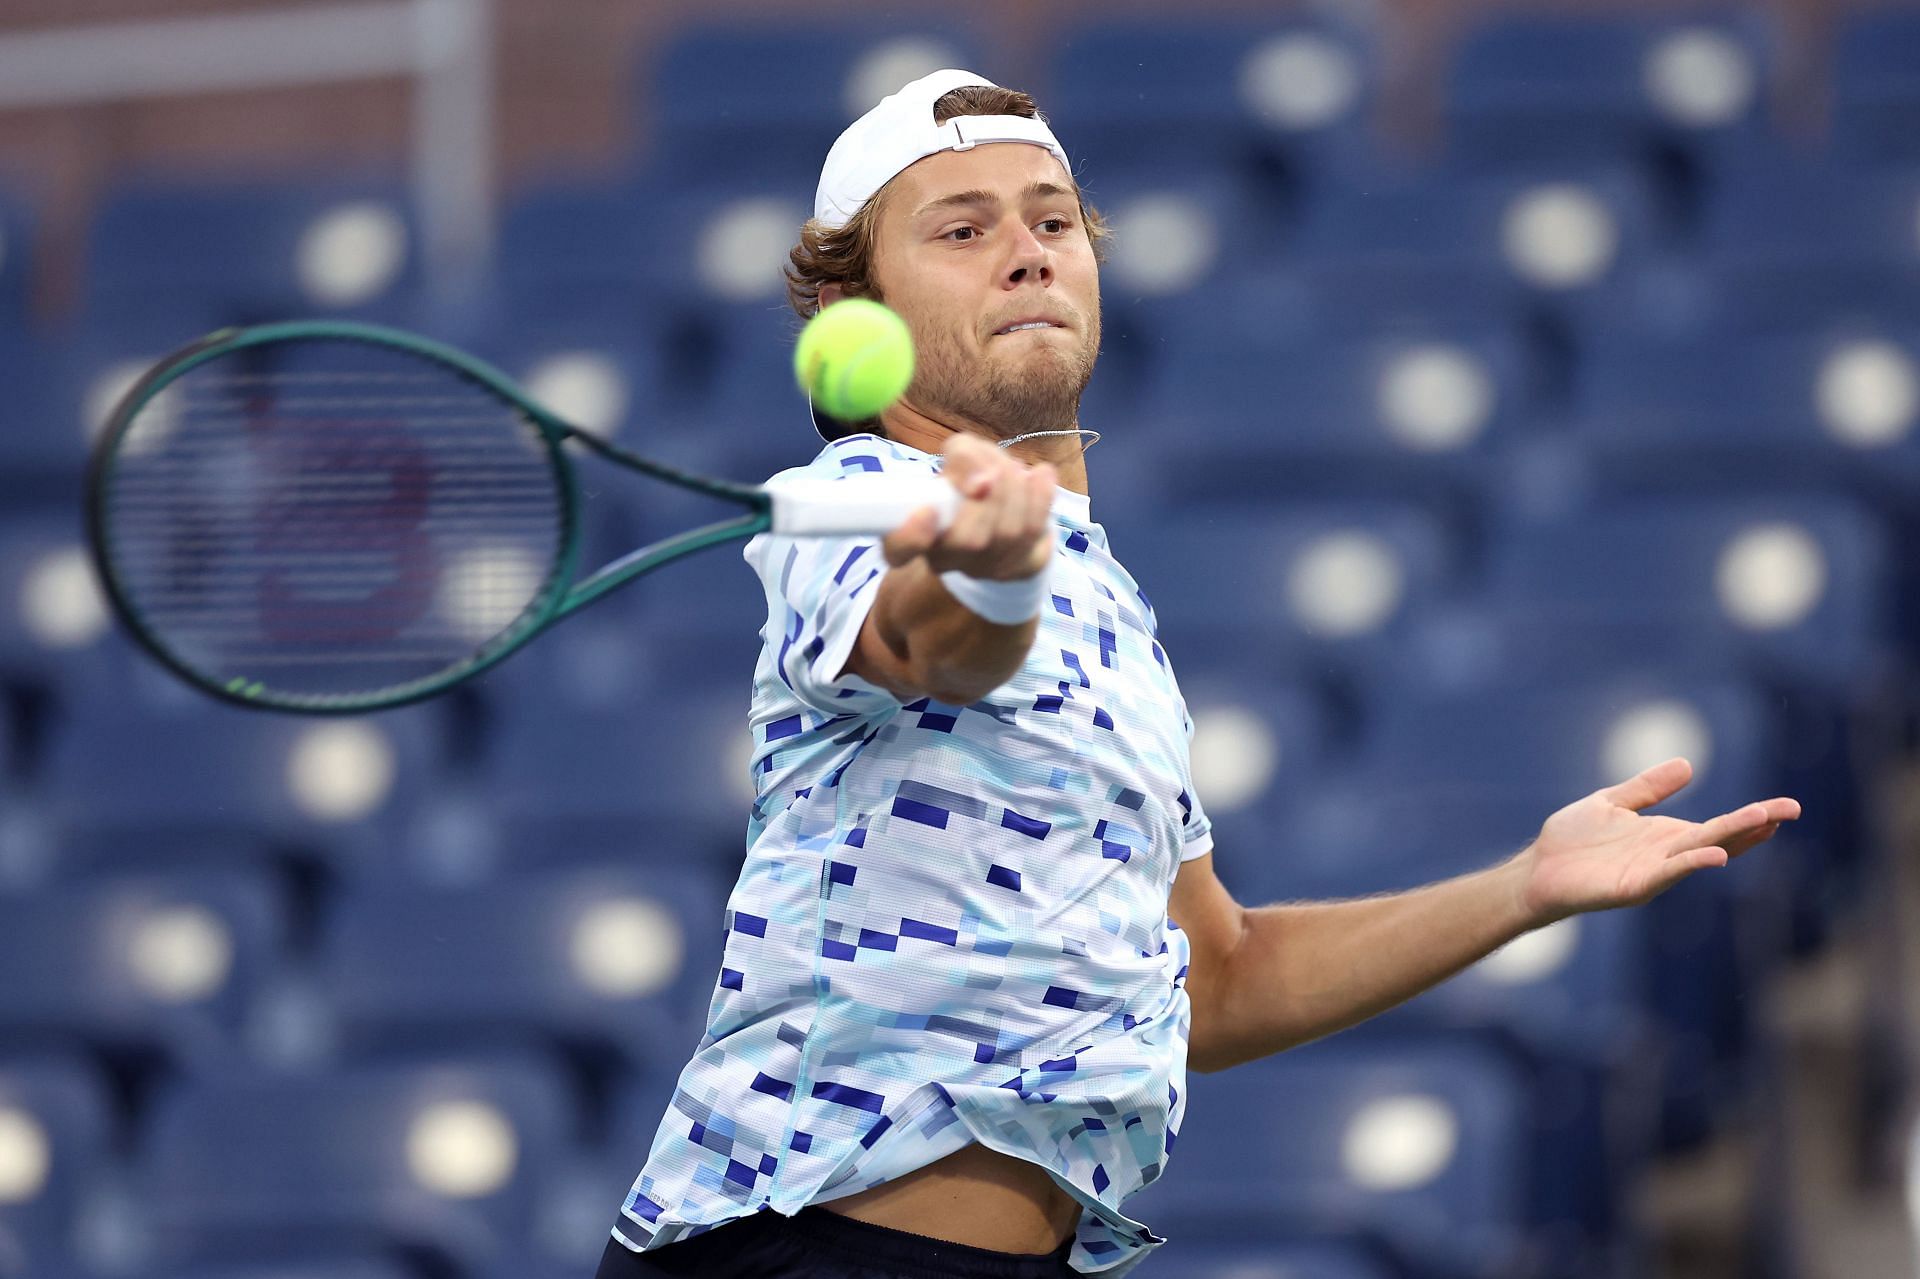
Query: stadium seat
252	252
140	964
446	1157
54	621
1302	588
1876	86
1800	586
1414	411
1527	87
1556	229
675	763
774	96
79	378
134	752
615	958
57	1136
1260	743
302	1267
1815	216
19	233
1286	96
1421	1144
1794	414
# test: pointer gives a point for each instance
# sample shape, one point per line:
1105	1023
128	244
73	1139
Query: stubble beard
1032	391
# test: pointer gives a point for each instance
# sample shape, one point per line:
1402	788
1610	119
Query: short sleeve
820	589
1196	829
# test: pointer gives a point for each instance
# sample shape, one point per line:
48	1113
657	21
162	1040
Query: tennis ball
854	358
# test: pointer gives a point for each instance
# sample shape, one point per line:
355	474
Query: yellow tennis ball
854	358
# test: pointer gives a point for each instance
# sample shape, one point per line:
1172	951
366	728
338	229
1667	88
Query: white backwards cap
899	131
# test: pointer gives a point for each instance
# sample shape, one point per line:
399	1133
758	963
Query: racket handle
858	503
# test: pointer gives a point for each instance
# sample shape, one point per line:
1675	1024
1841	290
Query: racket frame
559	595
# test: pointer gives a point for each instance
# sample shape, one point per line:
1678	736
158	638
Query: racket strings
334	531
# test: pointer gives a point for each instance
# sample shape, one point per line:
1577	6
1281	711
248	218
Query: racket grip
812	505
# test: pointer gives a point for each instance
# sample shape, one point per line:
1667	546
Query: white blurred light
351	254
1435	398
1700	78
585	388
1400	1143
737	753
1868	394
61	600
1535	956
342	771
25	1156
886	66
1652	733
486	587
1345	584
179	954
1771	576
627	947
1163	243
1559	236
157	417
744	246
1234	756
462	1149
1299	81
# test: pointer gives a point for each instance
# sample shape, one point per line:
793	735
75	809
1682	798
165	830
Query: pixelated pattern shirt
951	925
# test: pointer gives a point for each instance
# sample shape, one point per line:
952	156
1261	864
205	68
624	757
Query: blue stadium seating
174	247
1197	1259
80	377
140	964
369	1267
1876	86
63	1102
773	96
1309	586
1672	560
447	1157
1421	1144
1813	216
1529	87
568	958
1415	411
19	235
1665	415
134	753
1281	93
1416	223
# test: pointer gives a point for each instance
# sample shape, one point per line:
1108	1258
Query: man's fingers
1746	824
913	538
1651	787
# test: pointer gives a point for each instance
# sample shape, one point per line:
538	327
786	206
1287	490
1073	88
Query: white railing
445	46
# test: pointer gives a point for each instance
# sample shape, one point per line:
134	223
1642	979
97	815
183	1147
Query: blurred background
1534	386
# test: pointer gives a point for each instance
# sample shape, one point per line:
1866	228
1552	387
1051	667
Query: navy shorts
817	1244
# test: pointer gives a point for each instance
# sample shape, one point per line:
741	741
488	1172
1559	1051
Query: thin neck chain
1091	438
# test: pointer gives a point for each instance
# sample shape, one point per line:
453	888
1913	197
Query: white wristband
1004	603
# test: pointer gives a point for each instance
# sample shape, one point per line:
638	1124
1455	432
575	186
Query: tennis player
978	941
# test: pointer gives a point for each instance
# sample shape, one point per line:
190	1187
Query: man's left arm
1269	978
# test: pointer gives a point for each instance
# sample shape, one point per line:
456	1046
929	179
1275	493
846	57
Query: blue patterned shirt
951	925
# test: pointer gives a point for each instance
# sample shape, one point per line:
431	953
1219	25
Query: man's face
970	242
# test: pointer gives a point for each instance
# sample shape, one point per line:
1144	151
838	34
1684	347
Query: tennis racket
334	517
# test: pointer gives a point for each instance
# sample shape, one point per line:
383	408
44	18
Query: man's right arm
918	640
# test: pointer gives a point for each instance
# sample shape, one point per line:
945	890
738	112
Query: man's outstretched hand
1603	851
